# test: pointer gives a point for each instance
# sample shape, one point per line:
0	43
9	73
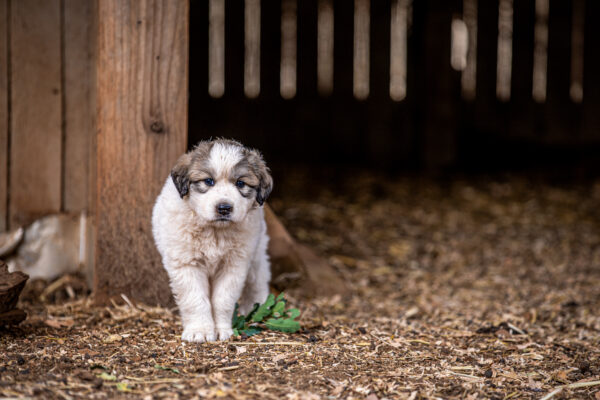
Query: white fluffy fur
212	264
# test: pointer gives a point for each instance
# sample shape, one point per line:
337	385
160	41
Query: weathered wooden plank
4	26
36	139
141	91
78	111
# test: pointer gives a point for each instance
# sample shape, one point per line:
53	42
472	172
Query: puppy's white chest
215	250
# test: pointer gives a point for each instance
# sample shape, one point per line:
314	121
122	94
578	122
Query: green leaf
238	320
283	325
157	366
280	298
278	309
271	313
264	310
252	330
251	313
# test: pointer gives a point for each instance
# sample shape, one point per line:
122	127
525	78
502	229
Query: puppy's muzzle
224	209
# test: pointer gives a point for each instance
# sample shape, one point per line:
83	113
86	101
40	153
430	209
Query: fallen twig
575	385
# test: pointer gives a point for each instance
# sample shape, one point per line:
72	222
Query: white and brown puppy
209	228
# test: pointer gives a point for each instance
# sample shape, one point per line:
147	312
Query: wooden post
141	91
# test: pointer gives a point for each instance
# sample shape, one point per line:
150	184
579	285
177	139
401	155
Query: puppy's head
222	180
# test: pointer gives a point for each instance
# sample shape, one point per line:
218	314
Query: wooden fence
46	109
527	80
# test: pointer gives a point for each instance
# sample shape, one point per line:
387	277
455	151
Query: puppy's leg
191	290
227	287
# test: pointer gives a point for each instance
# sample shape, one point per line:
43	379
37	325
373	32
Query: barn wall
46	109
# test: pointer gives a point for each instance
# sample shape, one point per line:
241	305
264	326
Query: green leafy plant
269	315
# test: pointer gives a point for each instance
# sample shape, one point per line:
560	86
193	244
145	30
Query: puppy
209	227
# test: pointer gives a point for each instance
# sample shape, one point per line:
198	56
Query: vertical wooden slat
289	49
252	48
36	138
78	109
4	26
141	123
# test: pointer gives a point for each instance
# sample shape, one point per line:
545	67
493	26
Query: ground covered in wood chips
460	289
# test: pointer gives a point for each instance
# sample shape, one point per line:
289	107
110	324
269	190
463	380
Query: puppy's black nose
224	209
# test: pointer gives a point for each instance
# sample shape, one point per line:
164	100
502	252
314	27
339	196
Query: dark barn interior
488	123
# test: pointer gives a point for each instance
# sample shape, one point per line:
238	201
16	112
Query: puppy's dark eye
240	184
209	182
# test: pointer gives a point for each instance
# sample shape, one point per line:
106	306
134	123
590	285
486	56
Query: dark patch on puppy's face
189	167
256	174
180	174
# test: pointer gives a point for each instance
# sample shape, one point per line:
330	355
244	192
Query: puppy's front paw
224	333
199	334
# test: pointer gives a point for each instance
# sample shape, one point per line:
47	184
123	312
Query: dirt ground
459	289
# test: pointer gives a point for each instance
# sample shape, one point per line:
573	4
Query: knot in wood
157	127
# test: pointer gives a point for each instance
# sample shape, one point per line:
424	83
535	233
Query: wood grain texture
78	111
36	138
142	129
4	26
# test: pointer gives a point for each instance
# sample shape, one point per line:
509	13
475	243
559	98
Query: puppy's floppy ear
264	187
265	181
180	174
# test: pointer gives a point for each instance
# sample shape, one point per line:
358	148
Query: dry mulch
460	289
